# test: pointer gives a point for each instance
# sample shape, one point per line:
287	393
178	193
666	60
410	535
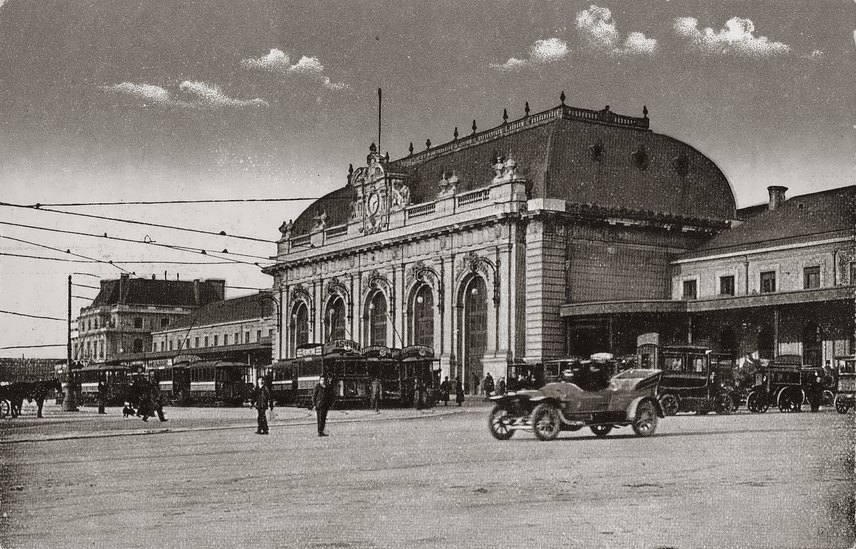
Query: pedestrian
102	396
157	401
459	392
261	401
376	394
445	389
488	384
475	383
419	393
500	386
322	399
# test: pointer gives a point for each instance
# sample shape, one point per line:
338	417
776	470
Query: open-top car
583	397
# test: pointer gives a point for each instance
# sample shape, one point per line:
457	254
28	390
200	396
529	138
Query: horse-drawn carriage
12	395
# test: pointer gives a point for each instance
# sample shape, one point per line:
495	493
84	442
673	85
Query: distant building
233	330
28	369
121	318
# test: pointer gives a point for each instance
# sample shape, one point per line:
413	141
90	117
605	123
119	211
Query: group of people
446	388
144	402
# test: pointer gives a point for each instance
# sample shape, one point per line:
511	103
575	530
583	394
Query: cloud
541	52
195	95
735	38
277	61
599	31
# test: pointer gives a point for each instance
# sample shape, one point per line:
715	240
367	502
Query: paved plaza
408	478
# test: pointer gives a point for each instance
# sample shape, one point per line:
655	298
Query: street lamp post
69	403
278	322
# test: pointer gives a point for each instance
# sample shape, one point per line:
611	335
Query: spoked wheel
723	404
757	402
5	408
499	423
828	398
546	423
645	422
670	404
601	430
841	405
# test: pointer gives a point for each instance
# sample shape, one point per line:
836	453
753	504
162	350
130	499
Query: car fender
631	409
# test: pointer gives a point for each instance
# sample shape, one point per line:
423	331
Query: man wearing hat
322	399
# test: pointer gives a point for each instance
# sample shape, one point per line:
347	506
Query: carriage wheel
5	409
723	404
499	423
841	405
546	423
645	422
757	402
669	404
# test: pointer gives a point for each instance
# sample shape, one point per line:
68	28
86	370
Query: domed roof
577	155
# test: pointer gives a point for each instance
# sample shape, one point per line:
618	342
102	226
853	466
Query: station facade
481	247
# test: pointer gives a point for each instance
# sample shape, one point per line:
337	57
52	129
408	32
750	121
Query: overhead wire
67	251
129	262
38	207
15	313
34	346
121	239
199	201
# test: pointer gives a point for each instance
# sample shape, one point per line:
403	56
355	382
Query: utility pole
68	401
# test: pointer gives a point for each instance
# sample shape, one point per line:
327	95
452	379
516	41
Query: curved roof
576	155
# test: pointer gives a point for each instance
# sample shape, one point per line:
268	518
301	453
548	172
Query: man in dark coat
445	389
376	393
459	392
157	400
488	384
322	399
102	396
261	401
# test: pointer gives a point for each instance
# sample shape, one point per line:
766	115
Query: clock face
373	203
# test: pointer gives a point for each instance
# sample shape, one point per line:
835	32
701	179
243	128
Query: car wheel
546	423
757	402
841	405
723	404
645	422
499	423
670	404
601	430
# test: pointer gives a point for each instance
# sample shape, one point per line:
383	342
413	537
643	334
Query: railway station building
567	231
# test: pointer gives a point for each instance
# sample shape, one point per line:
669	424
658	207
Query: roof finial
411	148
455	134
474	126
386	157
350	170
562	97
526	108
505	116
645	111
427	143
372	147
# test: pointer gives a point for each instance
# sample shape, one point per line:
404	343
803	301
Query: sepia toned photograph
400	274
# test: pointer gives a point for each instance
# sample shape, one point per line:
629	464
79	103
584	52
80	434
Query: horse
16	392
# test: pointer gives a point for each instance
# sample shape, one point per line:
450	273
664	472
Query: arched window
765	343
300	325
377	319
422	313
138	345
335	316
812	345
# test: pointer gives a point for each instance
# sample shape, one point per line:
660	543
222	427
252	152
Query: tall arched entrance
335	317
300	325
422	315
475	331
376	320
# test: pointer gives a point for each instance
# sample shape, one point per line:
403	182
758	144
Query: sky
120	100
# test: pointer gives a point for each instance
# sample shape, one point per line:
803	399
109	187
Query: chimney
123	287
219	286
777	196
196	291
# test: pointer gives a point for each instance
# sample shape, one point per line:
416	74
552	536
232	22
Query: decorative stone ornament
640	158
286	229
504	169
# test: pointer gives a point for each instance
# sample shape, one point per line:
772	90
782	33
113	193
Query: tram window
674	363
698	364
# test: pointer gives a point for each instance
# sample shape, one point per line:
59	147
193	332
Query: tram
118	381
351	371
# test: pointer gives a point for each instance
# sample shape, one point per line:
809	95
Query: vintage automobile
695	377
778	384
846	396
582	397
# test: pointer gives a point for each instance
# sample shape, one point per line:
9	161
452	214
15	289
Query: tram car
695	378
205	382
293	381
419	368
383	363
118	380
778	384
845	398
